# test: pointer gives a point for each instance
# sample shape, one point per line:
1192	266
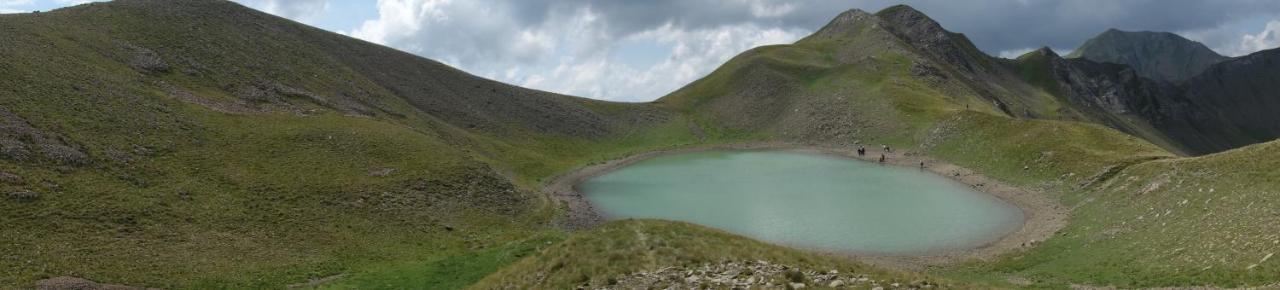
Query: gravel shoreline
1042	215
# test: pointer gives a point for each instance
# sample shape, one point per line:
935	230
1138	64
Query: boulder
23	195
11	179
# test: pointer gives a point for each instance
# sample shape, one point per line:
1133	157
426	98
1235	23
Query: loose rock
382	172
733	275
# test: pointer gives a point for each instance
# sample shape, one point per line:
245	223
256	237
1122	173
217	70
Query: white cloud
614	50
571	51
1267	39
766	10
1015	53
693	54
298	10
400	18
456	32
73	2
10	6
1235	39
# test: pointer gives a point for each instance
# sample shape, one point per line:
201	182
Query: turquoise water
807	200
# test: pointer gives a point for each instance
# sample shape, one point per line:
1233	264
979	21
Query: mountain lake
807	200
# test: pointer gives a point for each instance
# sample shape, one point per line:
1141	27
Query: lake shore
1042	215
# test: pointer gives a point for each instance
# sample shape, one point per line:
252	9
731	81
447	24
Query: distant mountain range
1158	86
1196	101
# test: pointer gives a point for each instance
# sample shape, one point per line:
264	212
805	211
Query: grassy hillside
227	147
287	199
1207	220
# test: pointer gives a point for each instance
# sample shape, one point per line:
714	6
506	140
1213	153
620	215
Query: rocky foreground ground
751	275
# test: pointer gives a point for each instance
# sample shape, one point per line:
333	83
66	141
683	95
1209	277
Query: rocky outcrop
23	142
1106	93
142	59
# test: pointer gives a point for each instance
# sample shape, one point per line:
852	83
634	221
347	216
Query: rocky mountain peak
918	30
851	16
845	24
1155	55
908	18
1046	51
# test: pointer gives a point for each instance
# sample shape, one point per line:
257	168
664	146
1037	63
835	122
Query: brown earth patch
73	283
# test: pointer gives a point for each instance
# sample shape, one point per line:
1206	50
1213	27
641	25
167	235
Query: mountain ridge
923	32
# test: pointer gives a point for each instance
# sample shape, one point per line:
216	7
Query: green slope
1207	220
227	147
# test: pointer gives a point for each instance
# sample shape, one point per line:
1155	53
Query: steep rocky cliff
1229	105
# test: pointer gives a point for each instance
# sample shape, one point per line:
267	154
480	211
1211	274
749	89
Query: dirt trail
1043	215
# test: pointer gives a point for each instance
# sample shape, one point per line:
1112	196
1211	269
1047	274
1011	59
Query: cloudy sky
641	50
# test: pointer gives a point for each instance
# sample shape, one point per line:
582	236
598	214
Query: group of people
862	151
